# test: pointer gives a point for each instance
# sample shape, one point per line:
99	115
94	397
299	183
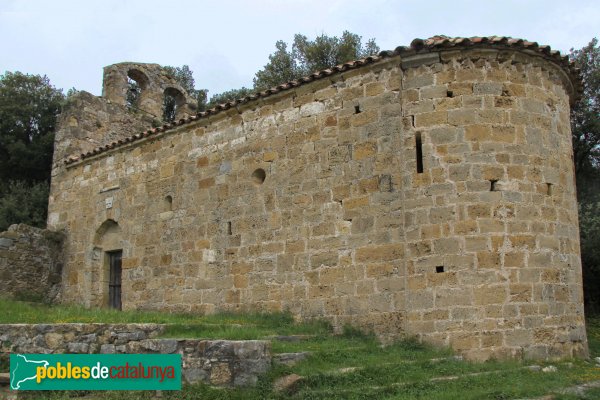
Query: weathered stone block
380	253
490	295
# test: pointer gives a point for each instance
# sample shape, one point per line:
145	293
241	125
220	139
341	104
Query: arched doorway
108	250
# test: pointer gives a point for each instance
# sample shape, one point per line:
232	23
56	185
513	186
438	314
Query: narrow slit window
549	189
419	146
229	232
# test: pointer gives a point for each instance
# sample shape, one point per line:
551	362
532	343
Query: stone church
425	191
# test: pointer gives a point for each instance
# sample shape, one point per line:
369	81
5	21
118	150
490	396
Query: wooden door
114	282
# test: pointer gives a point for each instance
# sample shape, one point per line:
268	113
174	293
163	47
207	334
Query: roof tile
434	43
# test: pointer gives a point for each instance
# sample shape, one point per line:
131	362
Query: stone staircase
229	363
297	386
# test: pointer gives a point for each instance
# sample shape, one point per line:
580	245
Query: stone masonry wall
216	362
312	201
88	121
492	241
30	263
226	242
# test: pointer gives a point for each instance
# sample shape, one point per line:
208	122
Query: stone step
578	390
290	338
4	378
347	370
288	383
290	359
376	388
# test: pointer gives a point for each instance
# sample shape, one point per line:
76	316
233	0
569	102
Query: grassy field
218	326
348	366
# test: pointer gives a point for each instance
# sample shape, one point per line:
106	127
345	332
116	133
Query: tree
308	56
589	230
282	67
229	95
24	203
585	126
202	98
185	77
585	116
29	105
285	65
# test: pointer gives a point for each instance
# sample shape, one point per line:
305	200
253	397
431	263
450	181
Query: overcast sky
226	42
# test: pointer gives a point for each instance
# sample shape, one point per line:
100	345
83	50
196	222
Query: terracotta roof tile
434	43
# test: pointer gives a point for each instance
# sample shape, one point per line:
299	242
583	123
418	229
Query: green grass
593	334
347	366
218	326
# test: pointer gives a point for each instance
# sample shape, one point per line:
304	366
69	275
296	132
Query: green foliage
4	362
589	227
585	126
169	106
305	57
589	230
282	67
360	368
202	98
28	109
133	93
29	105
585	116
23	202
221	326
229	95
184	76
308	56
593	335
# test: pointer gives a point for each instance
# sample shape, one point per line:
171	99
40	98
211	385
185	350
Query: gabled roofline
417	46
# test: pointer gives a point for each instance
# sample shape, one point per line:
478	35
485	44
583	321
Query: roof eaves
434	43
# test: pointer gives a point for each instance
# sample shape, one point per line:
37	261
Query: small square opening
439	269
493	187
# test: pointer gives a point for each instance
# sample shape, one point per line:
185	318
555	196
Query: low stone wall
30	263
216	362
